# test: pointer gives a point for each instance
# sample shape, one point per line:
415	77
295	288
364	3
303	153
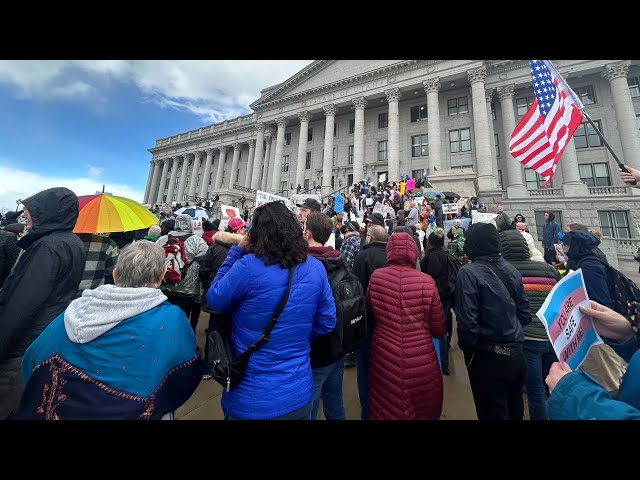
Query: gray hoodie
101	309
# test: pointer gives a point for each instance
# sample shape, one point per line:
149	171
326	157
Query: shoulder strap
274	319
507	284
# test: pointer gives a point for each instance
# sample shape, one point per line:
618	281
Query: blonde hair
439	232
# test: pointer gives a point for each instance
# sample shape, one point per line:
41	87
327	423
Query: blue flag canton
543	86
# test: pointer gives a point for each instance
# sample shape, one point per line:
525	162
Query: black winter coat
45	279
211	261
486	313
9	251
435	265
372	256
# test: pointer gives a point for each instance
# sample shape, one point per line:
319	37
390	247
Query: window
166	185
352	126
586	94
350	179
287	138
417	173
614	223
495	139
382	151
306	184
638	121
198	181
634	86
534	180
585	135
238	176
335	151
283	189
540	221
418	113
310	135
184	197
224	175
500	179
383	120
186	183
458	106
210	178
335	129
595	174
307	164
460	140
333	182
523	104
493	112
174	198
419	145
176	182
350	154
285	164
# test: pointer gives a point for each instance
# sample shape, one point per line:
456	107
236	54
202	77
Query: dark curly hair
276	237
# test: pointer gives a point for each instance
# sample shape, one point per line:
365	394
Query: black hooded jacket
8	254
45	279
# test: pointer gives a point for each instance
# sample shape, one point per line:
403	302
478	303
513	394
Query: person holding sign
575	395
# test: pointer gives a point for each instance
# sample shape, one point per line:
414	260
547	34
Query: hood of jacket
514	246
581	243
482	240
101	309
331	258
227	239
52	210
402	250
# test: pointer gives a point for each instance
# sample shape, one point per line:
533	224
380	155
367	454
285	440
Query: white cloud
94	170
214	90
20	184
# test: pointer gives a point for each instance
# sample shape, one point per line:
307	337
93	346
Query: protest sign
382	177
571	333
449	208
380	208
266	197
411	184
402	187
228	212
339	203
299	198
478	217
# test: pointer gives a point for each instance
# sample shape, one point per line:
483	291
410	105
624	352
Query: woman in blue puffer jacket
577	396
278	383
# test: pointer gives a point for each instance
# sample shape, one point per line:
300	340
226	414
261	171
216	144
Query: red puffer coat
405	382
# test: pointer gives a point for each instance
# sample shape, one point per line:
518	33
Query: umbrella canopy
432	192
103	213
451	195
194	212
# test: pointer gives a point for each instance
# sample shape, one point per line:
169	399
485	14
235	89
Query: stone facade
448	118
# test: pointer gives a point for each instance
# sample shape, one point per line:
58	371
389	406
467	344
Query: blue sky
82	124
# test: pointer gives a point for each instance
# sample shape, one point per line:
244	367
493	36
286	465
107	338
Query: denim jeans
362	365
539	356
444	342
299	414
327	384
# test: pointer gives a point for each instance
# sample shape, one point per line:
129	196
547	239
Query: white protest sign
228	212
382	177
571	333
266	197
380	208
449	208
478	217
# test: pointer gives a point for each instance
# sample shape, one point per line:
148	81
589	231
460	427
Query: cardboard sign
449	208
478	217
572	334
266	197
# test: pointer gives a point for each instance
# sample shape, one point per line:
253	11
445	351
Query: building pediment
327	74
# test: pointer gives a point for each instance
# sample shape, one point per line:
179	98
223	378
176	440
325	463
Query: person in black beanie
490	313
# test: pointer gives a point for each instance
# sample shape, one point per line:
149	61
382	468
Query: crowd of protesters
91	328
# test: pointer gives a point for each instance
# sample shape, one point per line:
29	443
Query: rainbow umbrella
104	213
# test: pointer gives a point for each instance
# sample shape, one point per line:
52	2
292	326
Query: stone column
194	176
183	176
163	180
572	186
152	193
393	97
305	117
494	164
234	165
486	178
172	182
359	104
149	181
625	115
268	134
204	188
515	185
327	160
431	88
259	157
223	155
277	160
252	152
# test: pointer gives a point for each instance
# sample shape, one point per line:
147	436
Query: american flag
542	135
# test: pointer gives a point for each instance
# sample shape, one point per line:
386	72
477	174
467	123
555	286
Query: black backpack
453	267
351	320
623	289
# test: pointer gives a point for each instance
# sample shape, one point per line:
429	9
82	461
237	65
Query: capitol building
338	121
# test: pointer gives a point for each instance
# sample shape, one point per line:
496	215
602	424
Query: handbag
226	368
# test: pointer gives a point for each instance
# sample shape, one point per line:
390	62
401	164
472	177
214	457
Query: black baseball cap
310	203
376	218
